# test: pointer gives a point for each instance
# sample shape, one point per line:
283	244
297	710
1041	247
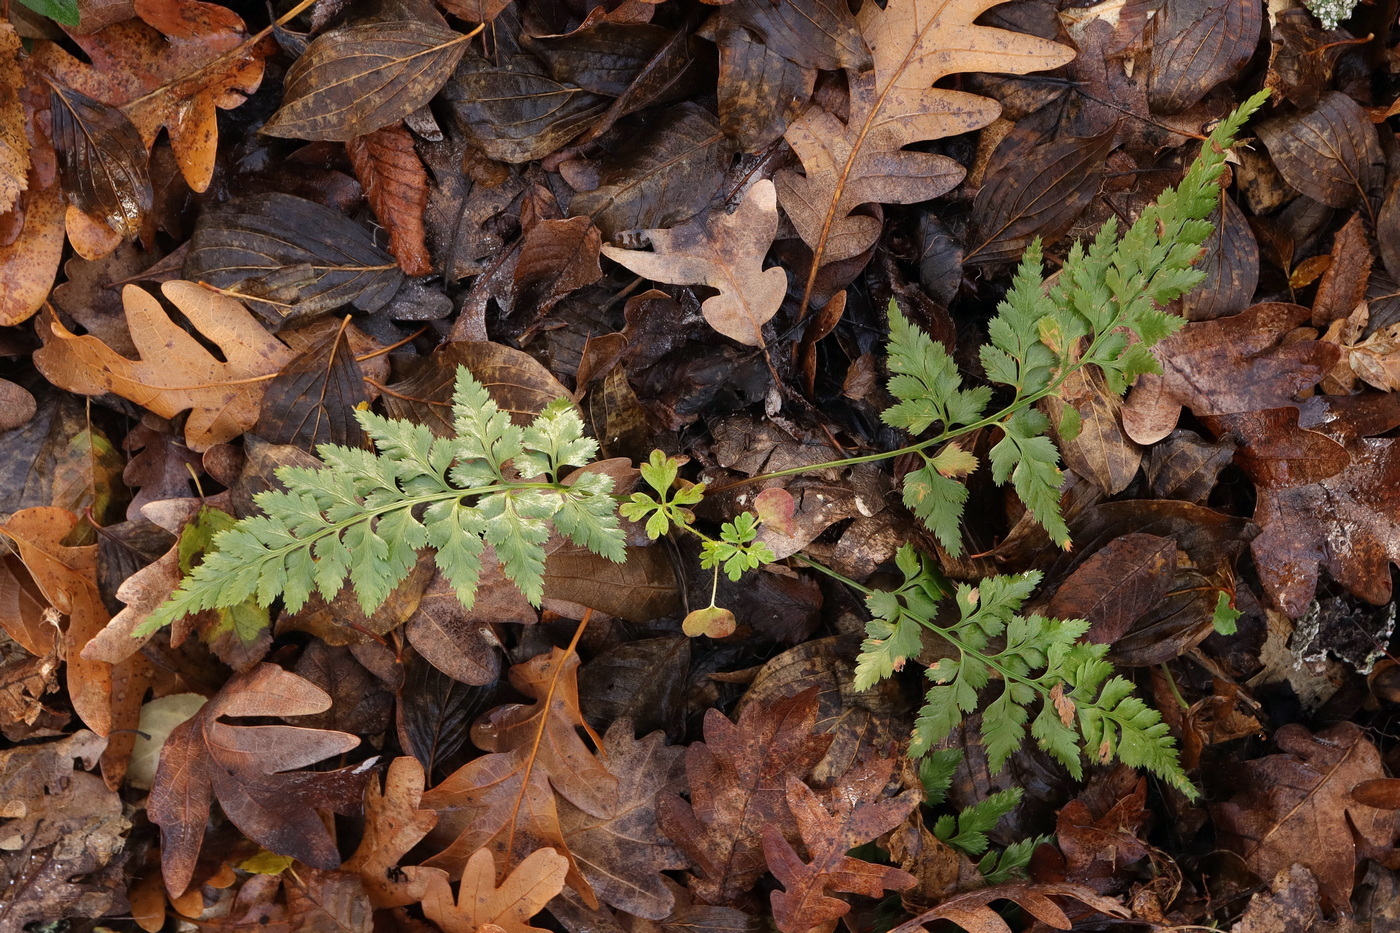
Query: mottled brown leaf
760	91
1197	44
1297	807
640	589
515	112
358	78
396	186
457	642
726	253
1328	152
1343	285
738	785
623	853
1244	362
973	913
243	766
29	262
556	258
819	34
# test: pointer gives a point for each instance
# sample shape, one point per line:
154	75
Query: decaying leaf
175	372
249	770
863	159
738	786
173	68
726	254
1329	152
860	815
1298	807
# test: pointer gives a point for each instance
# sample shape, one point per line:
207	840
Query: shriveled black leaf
1231	265
294	258
355	79
101	159
1197	44
312	400
1037	195
603	58
514	113
661	179
760	91
812	33
1329	152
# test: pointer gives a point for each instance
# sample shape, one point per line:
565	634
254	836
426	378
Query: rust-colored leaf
396	185
738	785
246	768
29	262
504	801
556	258
861	813
173	68
1343	284
14	146
726	254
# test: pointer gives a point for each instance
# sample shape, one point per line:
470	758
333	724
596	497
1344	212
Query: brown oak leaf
393	825
481	907
738	785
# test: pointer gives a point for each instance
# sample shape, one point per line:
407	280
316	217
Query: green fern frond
365	515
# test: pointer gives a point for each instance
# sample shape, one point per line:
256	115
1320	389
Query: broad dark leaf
1037	195
662	179
102	159
1231	265
518	383
639	590
294	258
460	643
313	399
603	58
1117	585
355	79
1196	45
1328	152
515	112
811	33
760	91
556	258
434	713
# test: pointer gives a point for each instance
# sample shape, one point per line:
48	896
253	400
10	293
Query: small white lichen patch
1330	13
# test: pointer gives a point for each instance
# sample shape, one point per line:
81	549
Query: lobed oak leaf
623	853
481	907
175	372
393	825
1299	807
972	911
914	45
505	800
861	814
175	67
738	785
246	769
726	253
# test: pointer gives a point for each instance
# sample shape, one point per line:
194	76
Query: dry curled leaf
725	253
175	372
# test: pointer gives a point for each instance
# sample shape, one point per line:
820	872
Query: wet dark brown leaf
556	258
1328	152
1231	265
516	112
1197	44
760	91
355	79
327	260
1113	588
102	160
1039	194
313	399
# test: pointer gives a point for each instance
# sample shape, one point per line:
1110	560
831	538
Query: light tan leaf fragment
175	372
725	253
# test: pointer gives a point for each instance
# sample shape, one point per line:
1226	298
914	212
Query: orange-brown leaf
396	185
173	68
393	825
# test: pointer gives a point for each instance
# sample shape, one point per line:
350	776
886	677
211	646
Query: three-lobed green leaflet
365	515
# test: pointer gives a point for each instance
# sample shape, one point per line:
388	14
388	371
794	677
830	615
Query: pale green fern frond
365	515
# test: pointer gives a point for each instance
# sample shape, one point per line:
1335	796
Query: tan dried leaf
175	371
725	253
481	907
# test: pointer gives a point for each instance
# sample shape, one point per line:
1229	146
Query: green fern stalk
365	515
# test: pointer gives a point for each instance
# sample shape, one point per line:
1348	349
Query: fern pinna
365	514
